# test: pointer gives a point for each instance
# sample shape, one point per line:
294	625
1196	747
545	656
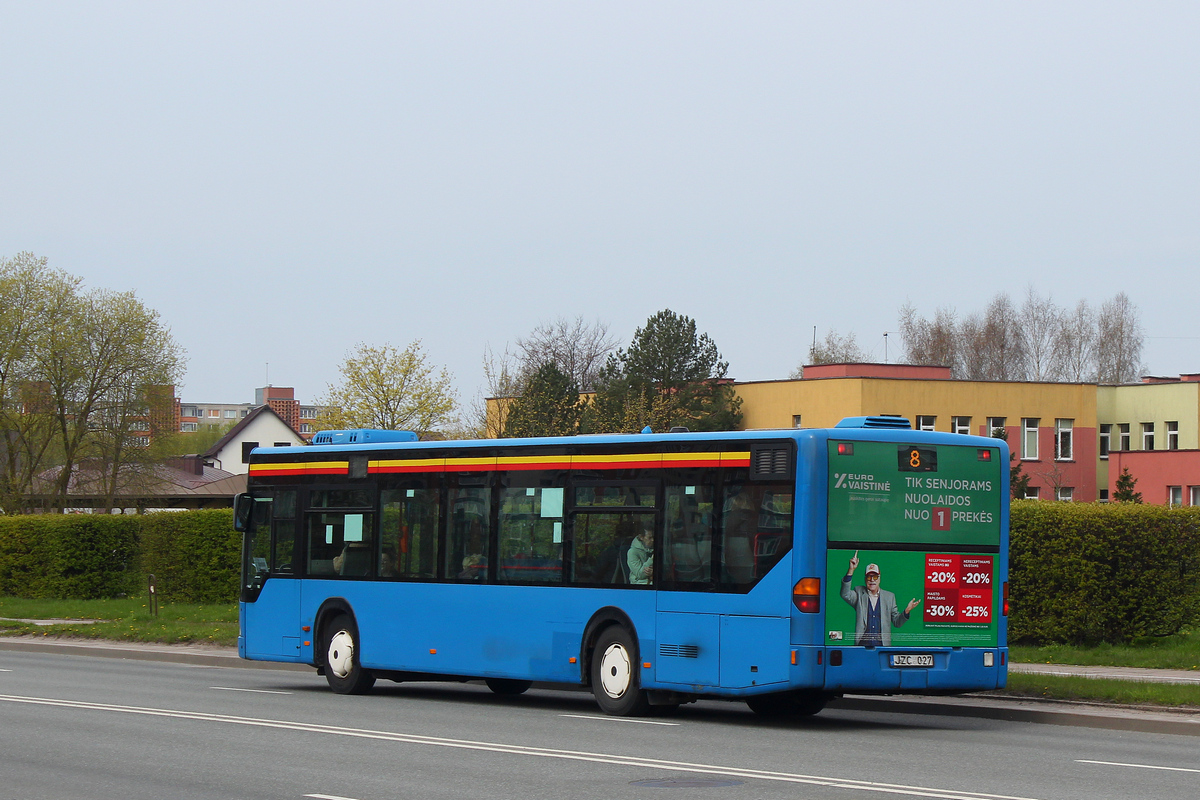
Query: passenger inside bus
641	556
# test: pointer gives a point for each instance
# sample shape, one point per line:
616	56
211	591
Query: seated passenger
641	556
474	568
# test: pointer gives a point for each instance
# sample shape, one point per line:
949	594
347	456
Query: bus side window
687	540
530	528
340	543
468	540
409	532
739	523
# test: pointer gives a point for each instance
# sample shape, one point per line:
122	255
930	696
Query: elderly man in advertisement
875	609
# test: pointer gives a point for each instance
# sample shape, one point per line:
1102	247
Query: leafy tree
389	389
550	406
834	349
30	294
1125	488
104	362
670	375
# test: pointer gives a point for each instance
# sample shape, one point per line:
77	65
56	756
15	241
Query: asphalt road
97	728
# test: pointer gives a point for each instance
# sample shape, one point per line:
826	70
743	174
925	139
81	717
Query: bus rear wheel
799	703
508	686
342	668
615	681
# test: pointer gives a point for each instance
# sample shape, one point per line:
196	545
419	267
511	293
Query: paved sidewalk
1183	676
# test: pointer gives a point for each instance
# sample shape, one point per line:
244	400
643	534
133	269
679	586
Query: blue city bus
780	568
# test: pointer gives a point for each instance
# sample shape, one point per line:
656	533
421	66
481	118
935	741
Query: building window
189	427
246	448
139	425
1029	438
214	412
1104	495
1123	429
1174	496
960	425
1105	435
1194	498
1033	492
1064	494
1172	435
140	441
1062	439
925	423
310	412
996	424
796	421
189	411
231	413
305	427
1147	435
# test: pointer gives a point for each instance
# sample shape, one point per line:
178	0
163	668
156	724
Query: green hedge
1088	573
80	556
195	556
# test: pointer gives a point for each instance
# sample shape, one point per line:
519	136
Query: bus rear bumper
865	670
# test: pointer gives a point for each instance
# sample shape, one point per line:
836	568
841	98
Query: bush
1088	573
195	556
71	556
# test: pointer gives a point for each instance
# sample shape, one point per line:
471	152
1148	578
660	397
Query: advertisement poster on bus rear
914	533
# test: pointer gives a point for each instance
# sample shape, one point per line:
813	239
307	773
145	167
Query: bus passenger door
270	608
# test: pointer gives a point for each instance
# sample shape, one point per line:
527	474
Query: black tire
342	668
508	686
800	703
615	674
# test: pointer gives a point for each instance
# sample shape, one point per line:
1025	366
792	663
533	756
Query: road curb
1117	718
208	658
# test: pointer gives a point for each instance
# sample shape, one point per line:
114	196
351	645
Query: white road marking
328	797
522	750
1139	766
617	719
258	691
5	670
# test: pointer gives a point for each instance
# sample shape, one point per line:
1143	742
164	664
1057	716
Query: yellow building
1051	426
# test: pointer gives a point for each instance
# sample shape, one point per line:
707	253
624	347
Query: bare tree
930	342
1042	326
1119	341
577	348
834	349
1075	348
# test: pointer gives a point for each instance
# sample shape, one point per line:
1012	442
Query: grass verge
125	619
1181	651
1102	690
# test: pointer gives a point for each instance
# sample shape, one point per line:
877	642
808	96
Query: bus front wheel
615	674
342	668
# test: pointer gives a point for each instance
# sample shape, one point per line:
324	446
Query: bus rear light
845	449
1004	594
985	454
806	595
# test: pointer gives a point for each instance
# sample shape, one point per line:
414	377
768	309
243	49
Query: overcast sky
282	181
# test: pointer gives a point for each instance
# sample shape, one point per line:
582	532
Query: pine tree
1125	488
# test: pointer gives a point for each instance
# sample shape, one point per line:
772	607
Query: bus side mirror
243	507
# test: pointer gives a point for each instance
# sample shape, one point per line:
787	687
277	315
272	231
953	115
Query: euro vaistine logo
860	482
